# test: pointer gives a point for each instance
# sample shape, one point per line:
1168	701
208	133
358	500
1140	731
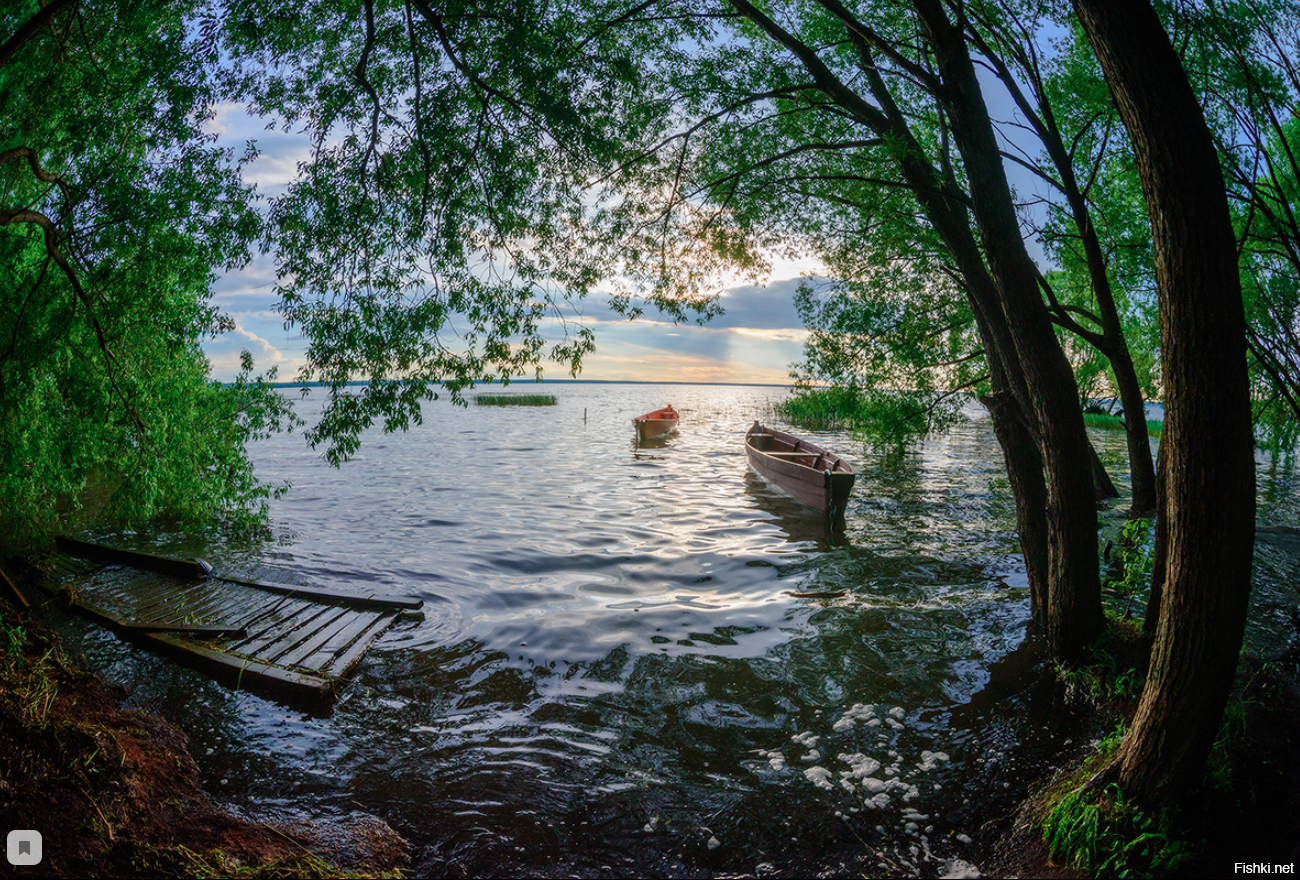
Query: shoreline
115	792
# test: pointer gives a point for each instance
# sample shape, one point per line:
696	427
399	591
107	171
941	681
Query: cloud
224	354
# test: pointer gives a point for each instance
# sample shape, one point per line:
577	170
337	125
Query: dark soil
115	793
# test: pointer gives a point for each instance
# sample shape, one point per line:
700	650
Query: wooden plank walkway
253	630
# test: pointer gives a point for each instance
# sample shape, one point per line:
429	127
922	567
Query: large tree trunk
1074	617
1045	406
1207	446
1025	473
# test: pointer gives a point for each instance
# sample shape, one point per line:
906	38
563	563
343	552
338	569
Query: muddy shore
114	792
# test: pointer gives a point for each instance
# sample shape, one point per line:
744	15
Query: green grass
515	399
1115	423
1112	668
1101	832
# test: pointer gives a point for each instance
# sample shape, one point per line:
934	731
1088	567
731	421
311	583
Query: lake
641	659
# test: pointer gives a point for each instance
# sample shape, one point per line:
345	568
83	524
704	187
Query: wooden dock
292	642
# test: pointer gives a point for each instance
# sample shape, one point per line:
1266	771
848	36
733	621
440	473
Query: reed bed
1115	423
515	399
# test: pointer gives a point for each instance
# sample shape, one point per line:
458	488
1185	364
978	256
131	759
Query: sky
755	341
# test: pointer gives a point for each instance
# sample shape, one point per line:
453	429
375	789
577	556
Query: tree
1208	508
115	208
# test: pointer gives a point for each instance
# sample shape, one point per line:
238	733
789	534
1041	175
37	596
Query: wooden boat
657	423
805	471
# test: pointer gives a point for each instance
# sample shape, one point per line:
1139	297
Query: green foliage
15	640
126	209
821	408
515	399
886	420
1128	574
445	223
1114	665
1116	423
1099	831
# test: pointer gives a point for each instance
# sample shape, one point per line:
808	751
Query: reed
1109	422
515	399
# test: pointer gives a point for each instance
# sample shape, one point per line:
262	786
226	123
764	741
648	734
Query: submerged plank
177	567
338	641
342	664
321	594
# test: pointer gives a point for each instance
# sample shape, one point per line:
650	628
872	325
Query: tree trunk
1102	484
1141	470
1207	447
1074	617
1025	472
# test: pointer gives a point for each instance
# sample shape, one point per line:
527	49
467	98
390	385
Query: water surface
644	660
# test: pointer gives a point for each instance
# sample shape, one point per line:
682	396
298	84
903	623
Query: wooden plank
313	690
199	608
152	589
342	665
259	646
13	594
246	674
339	641
319	594
273	620
178	567
197	631
241	607
355	622
311	638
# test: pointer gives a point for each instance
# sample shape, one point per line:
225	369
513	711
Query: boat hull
811	475
656	424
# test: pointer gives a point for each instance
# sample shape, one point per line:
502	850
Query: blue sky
756	340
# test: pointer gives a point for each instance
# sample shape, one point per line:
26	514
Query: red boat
807	473
657	423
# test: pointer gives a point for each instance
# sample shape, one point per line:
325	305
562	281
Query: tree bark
1207	447
1074	617
1025	472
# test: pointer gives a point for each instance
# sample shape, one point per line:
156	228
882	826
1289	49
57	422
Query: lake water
642	659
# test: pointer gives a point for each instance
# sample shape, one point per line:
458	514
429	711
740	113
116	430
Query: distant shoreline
555	382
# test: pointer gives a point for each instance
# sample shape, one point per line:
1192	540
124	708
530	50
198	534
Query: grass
214	863
1115	667
515	399
1100	831
1115	423
821	408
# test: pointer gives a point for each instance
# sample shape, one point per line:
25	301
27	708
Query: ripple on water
647	660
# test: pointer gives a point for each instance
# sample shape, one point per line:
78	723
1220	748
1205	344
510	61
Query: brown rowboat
657	423
805	471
